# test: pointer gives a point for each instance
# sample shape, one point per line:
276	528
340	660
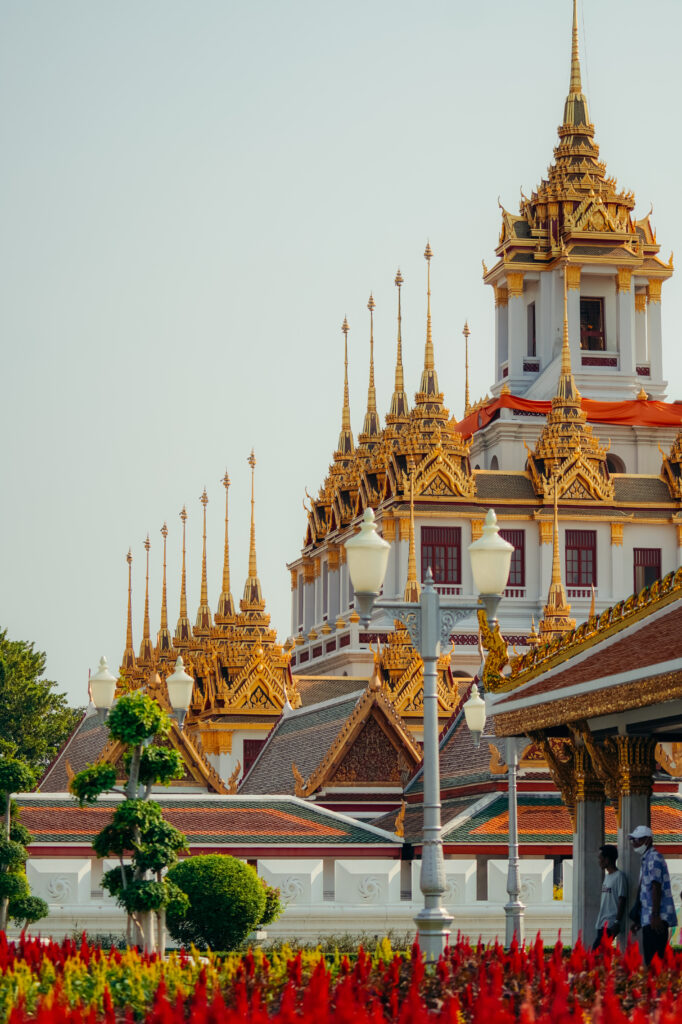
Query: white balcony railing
449	589
514	592
580	593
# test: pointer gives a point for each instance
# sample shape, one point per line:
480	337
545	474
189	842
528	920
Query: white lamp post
103	688
430	624
180	691
367	555
490	560
474	713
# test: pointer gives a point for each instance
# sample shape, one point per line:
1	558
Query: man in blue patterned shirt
657	908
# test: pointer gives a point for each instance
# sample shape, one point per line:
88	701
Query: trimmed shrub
227	900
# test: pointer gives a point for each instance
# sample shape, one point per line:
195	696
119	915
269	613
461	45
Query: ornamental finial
253	598
412	588
429	381
467	403
225	611
371	428
575	86
164	639
346	444
204	621
128	662
399	405
146	649
183	629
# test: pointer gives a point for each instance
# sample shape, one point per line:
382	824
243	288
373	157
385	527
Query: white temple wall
359	895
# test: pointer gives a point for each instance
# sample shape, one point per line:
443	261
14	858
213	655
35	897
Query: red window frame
441	551
517	567
252	749
644	559
592	334
581	558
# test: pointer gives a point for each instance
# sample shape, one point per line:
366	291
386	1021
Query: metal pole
514	909
433	921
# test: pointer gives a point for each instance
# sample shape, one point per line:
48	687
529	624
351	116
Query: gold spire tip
164	531
466	331
225	481
344	326
252	460
204	498
183	514
371	305
129	557
399	279
147	544
428	251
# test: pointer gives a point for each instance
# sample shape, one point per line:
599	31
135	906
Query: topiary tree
15	895
138	829
227	900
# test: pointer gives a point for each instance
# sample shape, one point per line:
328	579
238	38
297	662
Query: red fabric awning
633	413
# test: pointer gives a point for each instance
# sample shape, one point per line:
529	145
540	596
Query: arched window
494	464
615	463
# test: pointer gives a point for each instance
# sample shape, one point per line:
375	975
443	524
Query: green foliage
15	777
12	854
125	831
27	909
158	765
13	884
159	847
226	901
139	894
36	720
135	717
94	780
112	880
18	833
273	905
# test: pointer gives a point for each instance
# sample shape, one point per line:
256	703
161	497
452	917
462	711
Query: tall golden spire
556	618
467	403
226	611
128	662
146	648
164	638
412	588
429	382
253	597
575	87
346	444
399	406
566	388
371	427
183	629
204	621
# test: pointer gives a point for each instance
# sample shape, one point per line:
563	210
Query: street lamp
180	691
103	688
474	713
430	625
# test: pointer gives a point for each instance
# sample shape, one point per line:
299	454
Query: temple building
577	419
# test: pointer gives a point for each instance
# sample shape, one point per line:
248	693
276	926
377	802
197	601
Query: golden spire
225	611
146	649
183	629
412	588
429	381
467	403
253	598
399	406
371	426
164	638
128	662
556	619
345	437
204	621
575	87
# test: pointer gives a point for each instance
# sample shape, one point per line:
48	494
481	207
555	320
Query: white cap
641	832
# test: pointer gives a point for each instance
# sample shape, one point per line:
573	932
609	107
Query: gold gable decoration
671	470
402	670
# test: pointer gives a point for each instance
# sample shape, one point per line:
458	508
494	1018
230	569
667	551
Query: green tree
36	720
227	900
138	829
15	895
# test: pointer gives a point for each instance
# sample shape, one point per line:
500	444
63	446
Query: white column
544	320
641	353
501	330
625	305
573	303
653	324
518	326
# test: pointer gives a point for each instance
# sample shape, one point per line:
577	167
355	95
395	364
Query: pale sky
193	195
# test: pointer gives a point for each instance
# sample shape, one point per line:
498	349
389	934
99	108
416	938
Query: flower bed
72	983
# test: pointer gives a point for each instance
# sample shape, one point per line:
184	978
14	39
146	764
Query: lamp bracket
509	748
410	615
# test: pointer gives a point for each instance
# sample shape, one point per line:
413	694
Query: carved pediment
371	760
439	476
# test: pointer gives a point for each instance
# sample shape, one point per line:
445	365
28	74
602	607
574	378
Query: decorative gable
372	760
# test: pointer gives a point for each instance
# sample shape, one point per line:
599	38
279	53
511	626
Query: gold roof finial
399	406
429	381
183	629
164	639
204	621
575	87
371	427
556	618
467	403
226	610
253	598
128	662
412	588
146	649
346	444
